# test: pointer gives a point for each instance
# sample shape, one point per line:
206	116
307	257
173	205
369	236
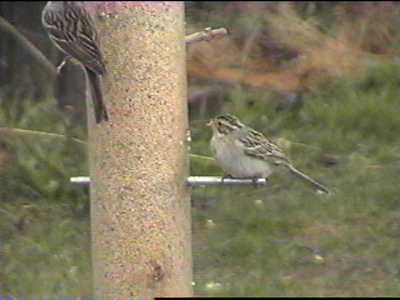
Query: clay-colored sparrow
243	152
72	30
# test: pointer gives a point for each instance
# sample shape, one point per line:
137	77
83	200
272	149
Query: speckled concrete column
140	206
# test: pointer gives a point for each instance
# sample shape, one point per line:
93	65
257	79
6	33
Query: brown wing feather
79	40
257	145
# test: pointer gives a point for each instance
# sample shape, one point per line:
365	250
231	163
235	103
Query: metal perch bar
213	180
195	181
80	180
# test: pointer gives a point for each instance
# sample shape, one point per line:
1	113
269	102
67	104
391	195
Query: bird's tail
96	92
307	178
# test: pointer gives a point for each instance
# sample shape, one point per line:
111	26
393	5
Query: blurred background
321	79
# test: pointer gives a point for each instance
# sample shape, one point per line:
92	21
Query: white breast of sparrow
243	152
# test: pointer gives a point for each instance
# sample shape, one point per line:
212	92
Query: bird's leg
255	179
63	62
225	177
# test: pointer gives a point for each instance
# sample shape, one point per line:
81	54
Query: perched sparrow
243	152
72	30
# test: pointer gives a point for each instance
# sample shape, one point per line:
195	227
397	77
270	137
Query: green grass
44	225
269	247
279	240
46	252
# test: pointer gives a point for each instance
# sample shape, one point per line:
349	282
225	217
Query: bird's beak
209	123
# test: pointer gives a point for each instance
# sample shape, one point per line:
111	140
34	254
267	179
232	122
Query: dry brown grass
286	52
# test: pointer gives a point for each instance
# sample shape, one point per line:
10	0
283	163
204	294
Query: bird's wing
258	146
79	39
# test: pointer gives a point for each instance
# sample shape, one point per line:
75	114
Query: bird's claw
61	65
255	181
225	177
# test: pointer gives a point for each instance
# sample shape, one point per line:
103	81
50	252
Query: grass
286	240
280	240
44	225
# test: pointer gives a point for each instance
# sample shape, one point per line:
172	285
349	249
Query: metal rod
195	181
202	181
80	180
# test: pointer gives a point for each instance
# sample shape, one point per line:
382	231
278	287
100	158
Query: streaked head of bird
225	124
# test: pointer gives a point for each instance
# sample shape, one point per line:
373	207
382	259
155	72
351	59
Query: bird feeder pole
140	203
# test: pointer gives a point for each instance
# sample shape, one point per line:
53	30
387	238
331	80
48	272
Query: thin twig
32	49
202	157
10	131
207	34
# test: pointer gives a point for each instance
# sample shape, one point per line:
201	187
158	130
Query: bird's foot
225	177
255	181
63	62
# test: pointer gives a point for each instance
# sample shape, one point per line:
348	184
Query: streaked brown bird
72	30
243	152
